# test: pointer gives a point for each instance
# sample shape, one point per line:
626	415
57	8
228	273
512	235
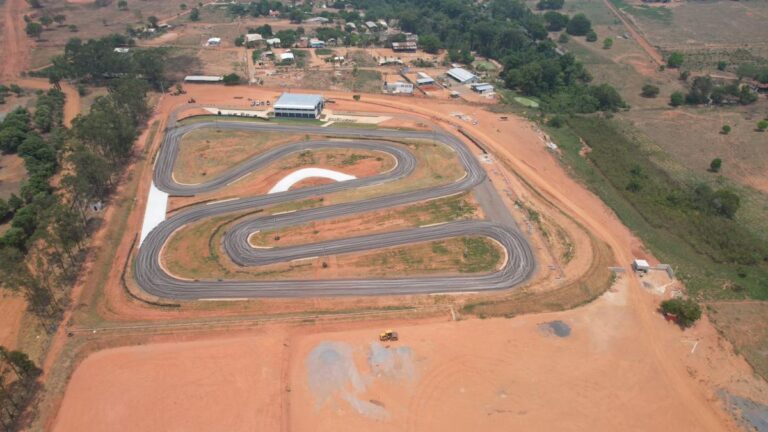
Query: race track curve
518	265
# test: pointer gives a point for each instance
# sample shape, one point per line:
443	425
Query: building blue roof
298	101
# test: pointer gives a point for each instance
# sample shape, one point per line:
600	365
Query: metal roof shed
462	75
299	105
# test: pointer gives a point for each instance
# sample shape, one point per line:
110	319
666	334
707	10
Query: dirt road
15	47
652	52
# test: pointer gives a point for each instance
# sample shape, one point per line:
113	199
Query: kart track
517	266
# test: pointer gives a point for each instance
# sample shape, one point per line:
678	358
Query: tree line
18	385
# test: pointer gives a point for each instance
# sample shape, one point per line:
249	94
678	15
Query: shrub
762	125
591	36
607	43
231	79
675	60
677	99
557	121
715	165
687	311
725	130
579	25
649	91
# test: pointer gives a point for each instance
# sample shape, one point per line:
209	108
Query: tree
35	4
430	43
5	210
579	25
725	130
563	38
46	20
60	18
356	97
555	21
677	99
183	6
762	125
608	98
152	20
686	311
591	36
607	43
240	41
715	165
194	15
650	91
550	4
675	60
684	75
721	65
122	5
72	28
231	79
34	30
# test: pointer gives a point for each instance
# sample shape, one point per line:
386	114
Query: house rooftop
298	101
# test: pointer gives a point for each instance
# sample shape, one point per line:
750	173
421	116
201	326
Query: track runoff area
518	265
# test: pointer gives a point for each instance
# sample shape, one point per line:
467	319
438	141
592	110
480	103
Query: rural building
371	25
462	75
383	61
398	87
214	41
316	43
317	20
351	26
273	42
253	38
640	265
122	50
203	78
404	46
299	105
287	57
382	24
410	37
424	79
482	88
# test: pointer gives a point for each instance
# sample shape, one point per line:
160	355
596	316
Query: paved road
518	265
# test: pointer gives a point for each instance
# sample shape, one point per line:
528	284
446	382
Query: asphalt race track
518	265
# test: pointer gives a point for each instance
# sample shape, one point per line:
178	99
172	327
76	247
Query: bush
677	99
675	60
762	125
721	65
231	79
687	311
715	165
557	121
555	21
607	43
591	36
650	91
563	38
725	130
550	4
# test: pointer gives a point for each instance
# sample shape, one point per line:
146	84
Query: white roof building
253	37
299	105
214	41
287	56
203	78
462	75
351	25
398	87
482	87
424	79
273	42
122	50
640	265
371	25
318	20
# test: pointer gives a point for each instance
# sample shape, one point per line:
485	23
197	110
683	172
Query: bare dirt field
12	309
604	366
12	174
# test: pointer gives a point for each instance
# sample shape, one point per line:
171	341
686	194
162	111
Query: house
640	265
287	57
371	25
424	79
350	26
398	87
316	43
296	105
214	41
203	78
482	88
122	50
404	46
382	24
410	37
274	13
273	42
317	20
462	75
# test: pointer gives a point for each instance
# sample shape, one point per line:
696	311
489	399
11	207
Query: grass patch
658	13
705	249
480	255
527	102
324	51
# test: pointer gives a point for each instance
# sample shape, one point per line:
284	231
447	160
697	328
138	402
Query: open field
12	174
457	207
527	373
745	324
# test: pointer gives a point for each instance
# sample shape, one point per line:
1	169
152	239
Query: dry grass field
12	174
